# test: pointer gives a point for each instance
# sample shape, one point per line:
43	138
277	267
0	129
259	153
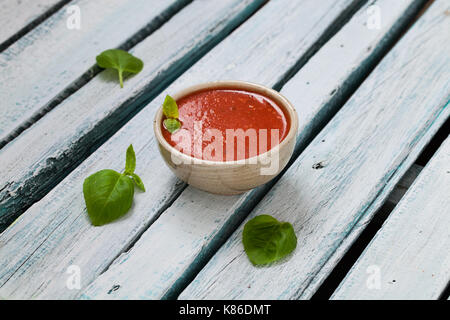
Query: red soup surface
211	120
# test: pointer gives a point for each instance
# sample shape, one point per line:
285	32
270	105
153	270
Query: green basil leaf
120	60
267	240
108	196
172	125
170	107
130	164
138	181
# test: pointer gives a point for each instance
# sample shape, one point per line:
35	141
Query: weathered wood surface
189	232
366	148
17	15
42	155
409	256
51	61
53	234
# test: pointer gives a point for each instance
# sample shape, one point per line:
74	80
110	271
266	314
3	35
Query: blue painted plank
54	59
55	233
186	235
366	148
409	256
44	154
18	17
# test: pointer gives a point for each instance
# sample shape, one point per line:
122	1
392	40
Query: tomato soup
227	125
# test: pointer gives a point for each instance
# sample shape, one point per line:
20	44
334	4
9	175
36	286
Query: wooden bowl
230	177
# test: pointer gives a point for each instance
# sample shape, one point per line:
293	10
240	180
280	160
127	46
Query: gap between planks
410	249
334	106
329	33
57	157
26	25
76	150
230	227
91	72
338	273
211	283
140	218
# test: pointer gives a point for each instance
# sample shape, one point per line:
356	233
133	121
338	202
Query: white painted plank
55	233
15	15
35	161
186	234
36	69
367	147
409	256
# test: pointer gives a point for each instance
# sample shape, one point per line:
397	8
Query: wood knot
319	165
114	288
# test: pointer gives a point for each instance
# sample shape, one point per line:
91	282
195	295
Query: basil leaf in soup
170	107
172	125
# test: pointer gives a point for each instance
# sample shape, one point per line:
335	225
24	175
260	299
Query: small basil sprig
109	194
120	60
170	110
267	240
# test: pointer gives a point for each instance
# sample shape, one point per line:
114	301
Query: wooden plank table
417	264
18	17
371	84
